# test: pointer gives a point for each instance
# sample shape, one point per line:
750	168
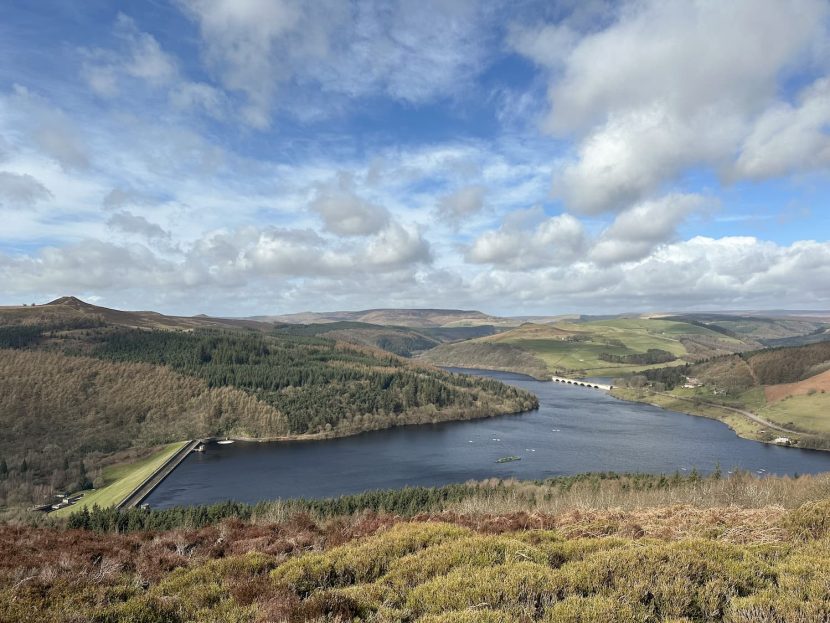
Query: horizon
736	312
260	157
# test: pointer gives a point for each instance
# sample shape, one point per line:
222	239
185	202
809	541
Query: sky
242	157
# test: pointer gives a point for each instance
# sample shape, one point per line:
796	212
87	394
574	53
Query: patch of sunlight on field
123	479
808	412
616	337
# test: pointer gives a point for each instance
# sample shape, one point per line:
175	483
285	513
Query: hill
78	392
404	341
416	318
782	330
782	392
613	549
72	309
608	347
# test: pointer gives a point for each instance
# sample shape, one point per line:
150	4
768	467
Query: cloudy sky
239	157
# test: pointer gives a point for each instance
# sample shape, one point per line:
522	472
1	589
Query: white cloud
130	223
198	95
119	197
140	57
147	60
664	87
397	247
788	138
240	38
700	273
635	233
22	189
554	241
411	51
344	212
47	127
460	204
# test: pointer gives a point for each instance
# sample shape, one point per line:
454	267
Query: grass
121	480
575	347
617	337
742	426
809	413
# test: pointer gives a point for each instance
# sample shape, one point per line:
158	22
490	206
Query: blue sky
265	156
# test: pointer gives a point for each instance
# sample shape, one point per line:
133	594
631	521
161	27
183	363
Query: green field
121	480
806	413
742	426
555	344
576	347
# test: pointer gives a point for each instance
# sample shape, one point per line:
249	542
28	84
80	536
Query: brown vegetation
817	383
61	416
681	562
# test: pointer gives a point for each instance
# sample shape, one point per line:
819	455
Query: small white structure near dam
581	383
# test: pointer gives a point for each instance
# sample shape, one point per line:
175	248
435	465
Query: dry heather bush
363	561
515	587
679	564
597	609
477	615
809	521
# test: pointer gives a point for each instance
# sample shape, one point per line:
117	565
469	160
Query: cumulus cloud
344	212
130	223
664	87
141	57
21	189
120	196
407	50
700	273
790	138
396	247
240	40
460	204
637	231
47	127
554	241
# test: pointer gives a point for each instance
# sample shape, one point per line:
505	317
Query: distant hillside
404	341
608	347
417	318
79	383
766	331
785	391
69	308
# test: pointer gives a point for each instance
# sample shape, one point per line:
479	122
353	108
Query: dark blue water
574	430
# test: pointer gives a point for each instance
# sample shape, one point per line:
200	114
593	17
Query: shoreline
736	419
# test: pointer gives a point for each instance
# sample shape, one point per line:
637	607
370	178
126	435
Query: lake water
574	430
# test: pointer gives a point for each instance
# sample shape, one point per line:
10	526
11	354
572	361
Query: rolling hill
70	308
414	318
783	390
607	347
81	386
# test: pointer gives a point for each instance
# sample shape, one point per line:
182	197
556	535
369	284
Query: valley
83	387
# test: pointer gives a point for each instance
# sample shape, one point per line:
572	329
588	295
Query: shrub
518	584
597	609
809	521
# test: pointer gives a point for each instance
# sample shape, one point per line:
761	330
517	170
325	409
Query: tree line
66	417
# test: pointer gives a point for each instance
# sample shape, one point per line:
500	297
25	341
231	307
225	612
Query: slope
608	347
77	389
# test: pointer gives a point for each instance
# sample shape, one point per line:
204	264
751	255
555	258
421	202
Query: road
747	414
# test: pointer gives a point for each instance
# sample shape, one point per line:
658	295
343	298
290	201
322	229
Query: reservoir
575	430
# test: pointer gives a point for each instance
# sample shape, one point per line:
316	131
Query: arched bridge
581	383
